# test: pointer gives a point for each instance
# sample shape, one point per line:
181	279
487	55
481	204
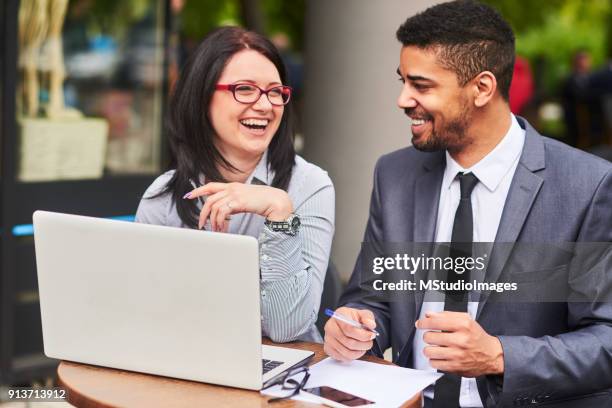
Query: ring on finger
230	206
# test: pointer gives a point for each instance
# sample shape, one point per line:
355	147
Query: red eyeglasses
249	93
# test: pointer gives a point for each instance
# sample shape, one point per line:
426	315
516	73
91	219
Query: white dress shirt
494	172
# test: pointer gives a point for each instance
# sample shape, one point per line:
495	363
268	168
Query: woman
235	170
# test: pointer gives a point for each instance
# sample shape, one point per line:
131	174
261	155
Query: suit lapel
426	199
523	191
425	196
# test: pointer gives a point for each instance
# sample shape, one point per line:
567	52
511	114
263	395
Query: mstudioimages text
412	264
443	286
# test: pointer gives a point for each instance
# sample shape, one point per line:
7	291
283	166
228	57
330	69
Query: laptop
168	301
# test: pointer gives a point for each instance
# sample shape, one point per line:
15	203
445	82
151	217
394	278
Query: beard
447	134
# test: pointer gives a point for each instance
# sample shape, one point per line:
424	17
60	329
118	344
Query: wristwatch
290	226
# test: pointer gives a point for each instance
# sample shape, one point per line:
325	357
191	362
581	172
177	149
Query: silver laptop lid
168	301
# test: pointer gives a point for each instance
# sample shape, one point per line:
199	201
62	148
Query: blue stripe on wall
23	230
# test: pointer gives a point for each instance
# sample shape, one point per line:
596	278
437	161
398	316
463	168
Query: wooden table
99	387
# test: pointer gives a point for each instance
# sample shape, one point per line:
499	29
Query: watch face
295	223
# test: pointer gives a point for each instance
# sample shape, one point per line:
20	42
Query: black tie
447	388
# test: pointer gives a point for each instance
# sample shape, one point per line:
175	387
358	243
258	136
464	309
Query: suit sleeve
356	294
577	362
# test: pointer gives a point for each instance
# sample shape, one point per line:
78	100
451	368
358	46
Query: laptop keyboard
270	365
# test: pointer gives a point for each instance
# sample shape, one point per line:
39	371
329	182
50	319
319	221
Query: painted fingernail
188	195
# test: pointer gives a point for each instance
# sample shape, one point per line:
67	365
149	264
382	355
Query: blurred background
84	83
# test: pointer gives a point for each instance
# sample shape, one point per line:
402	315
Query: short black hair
470	38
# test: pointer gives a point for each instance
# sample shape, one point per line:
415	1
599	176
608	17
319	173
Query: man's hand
462	347
344	342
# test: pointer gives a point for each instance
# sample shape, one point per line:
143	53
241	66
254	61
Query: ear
484	85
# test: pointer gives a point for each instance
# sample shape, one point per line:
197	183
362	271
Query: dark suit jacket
553	352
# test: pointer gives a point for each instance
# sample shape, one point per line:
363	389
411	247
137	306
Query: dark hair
470	38
190	131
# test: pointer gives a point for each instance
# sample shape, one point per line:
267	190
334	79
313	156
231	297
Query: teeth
418	122
255	122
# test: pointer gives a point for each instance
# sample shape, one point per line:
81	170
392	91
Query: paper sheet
386	385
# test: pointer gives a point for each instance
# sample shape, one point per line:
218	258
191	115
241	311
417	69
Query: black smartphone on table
339	397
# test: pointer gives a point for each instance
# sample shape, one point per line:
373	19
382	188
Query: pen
194	185
346	320
201	199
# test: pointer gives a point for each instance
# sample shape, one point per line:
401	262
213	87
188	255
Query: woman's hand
225	199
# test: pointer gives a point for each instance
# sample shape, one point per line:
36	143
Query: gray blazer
555	353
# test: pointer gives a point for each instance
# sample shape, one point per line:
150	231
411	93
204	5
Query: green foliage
525	14
555	42
201	16
286	17
552	30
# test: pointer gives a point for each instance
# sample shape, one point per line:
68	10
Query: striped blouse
292	267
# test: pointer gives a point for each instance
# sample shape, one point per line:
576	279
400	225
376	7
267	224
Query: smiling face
441	110
244	131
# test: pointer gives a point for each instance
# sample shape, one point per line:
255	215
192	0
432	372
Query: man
578	105
476	173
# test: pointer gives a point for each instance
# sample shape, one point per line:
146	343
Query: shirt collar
262	174
492	168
